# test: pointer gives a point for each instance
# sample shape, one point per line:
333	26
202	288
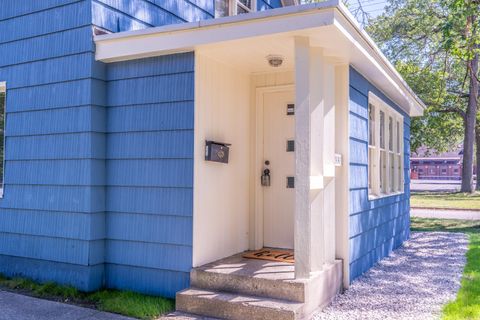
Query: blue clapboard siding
376	227
43	270
99	158
158	282
150	173
126	15
52	225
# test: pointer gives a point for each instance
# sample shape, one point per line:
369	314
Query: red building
426	164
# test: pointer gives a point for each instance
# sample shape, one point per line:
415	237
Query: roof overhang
328	25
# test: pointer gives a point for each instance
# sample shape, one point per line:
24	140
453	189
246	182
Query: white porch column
309	159
341	172
314	159
302	225
328	143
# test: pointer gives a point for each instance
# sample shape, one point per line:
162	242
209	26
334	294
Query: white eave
327	24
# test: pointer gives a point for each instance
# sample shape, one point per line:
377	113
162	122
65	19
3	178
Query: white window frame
234	4
3	89
375	175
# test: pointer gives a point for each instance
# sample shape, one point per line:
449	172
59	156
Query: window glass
246	3
241	9
222	8
390	133
383	171
398	137
382	129
371	125
391	172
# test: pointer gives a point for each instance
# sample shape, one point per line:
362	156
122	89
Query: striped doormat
271	255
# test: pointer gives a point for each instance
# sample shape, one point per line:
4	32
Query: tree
440	38
356	8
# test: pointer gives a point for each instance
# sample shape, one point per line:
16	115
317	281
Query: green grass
132	304
446	200
467	303
122	302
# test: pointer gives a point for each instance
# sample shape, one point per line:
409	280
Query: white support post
329	161
342	250
302	225
314	126
317	156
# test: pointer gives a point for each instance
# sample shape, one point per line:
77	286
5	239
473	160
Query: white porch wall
221	191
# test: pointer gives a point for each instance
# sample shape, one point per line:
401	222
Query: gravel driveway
413	283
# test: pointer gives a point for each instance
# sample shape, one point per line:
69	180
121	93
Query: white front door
279	158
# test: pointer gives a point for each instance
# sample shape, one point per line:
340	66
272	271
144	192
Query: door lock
265	179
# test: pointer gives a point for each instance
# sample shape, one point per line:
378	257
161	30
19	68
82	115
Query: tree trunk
477	135
470	123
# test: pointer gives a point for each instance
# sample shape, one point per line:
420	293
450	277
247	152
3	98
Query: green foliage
444	225
438	130
461	34
132	304
430	42
446	200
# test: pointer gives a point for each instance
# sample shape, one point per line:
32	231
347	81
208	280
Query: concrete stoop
252	290
233	306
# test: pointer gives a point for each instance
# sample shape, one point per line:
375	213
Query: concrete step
236	306
185	316
249	285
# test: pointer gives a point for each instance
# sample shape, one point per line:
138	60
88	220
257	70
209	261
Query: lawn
122	302
446	200
467	303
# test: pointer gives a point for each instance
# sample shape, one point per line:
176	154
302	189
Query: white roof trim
186	36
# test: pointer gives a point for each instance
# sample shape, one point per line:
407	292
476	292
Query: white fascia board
187	36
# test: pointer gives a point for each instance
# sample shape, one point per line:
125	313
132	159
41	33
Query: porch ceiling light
275	60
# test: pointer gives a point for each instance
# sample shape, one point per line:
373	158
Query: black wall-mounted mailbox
217	151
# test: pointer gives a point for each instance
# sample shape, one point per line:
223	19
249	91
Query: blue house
148	143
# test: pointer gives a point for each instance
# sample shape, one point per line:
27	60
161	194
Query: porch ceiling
250	54
244	41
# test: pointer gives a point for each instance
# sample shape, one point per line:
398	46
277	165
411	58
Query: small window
290	145
385	148
3	102
225	8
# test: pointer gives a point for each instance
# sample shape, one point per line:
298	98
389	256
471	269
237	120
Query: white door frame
258	155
